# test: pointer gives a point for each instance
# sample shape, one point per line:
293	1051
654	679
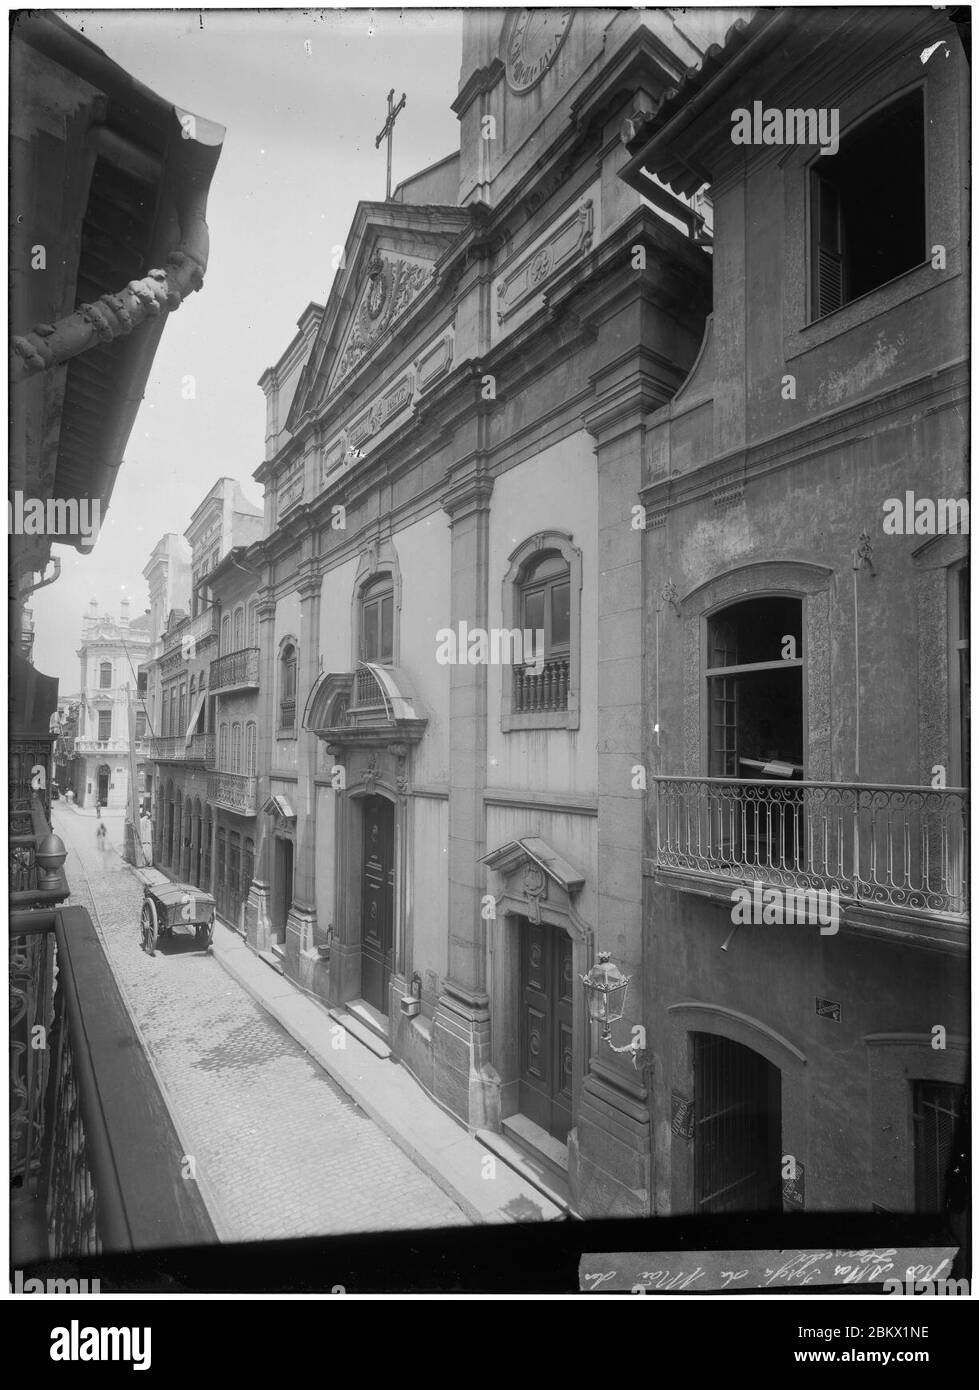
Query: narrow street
280	1150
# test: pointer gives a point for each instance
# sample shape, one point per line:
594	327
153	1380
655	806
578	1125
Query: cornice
482	80
828	432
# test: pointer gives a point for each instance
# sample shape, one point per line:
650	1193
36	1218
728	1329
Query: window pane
387	628
561	615
533	610
369	643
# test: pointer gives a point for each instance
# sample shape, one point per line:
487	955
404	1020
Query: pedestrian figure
100	837
98	808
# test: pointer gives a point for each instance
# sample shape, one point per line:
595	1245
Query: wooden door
546	1034
377	902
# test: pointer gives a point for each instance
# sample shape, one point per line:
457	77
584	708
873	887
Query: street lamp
605	994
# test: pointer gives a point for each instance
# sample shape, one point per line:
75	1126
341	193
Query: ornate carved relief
571	236
391	286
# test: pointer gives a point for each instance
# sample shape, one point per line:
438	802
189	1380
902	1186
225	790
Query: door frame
557	909
696	1017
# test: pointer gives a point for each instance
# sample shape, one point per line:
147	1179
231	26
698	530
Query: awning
279	806
195	715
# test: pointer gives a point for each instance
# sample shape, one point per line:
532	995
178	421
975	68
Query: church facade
451	599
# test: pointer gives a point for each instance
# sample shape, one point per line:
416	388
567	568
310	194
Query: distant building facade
177	679
110	653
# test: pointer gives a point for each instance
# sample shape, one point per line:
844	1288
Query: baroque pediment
392	283
391	260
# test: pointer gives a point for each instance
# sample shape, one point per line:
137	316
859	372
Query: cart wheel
148	926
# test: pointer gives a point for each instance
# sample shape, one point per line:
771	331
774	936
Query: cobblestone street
280	1150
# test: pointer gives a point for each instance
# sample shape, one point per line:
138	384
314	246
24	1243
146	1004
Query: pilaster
460	1031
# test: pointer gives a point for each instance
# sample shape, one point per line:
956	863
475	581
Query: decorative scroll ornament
391	286
370	775
670	594
535	891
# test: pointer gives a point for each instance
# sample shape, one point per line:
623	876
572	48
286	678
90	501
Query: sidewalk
484	1187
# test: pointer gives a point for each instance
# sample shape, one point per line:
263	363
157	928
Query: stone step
532	1170
361	1032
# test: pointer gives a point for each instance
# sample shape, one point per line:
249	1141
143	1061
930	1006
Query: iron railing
905	848
29	884
92	1146
198	629
368	691
539	692
233	792
235	671
199	748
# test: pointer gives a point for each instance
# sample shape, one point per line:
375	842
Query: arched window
542	606
182	710
223	748
287	689
253	624
377	620
238	633
251	748
226	634
236	748
105	675
754	687
545	603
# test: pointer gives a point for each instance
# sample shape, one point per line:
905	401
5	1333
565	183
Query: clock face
535	37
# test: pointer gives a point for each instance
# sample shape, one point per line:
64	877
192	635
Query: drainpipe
42	582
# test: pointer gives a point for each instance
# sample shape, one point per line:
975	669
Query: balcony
233	792
197	630
893	850
31	884
236	671
199	748
112	746
95	1162
541	692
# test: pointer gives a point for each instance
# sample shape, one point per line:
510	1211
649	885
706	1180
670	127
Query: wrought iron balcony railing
198	629
368	692
199	748
32	884
233	792
544	691
894	847
95	1161
235	671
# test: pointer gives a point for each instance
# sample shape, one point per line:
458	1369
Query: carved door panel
546	1000
377	902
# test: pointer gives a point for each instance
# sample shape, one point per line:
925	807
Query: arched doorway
197	850
103	784
187	842
377	901
282	878
168	833
737	1127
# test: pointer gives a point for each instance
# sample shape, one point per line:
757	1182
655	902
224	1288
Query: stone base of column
463	1080
300	930
258	928
609	1163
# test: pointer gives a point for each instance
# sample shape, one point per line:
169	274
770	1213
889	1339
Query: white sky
298	155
